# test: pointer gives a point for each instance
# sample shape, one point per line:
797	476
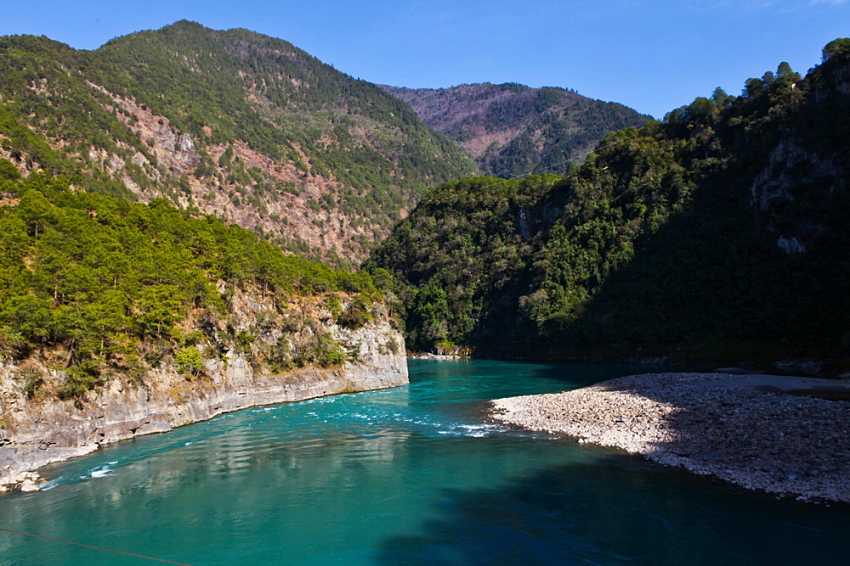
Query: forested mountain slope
94	288
234	123
513	130
720	232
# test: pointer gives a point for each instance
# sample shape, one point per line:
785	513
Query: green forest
719	232
109	283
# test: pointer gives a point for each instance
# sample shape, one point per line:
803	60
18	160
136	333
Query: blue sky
652	55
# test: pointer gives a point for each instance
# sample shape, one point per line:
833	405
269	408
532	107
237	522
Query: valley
254	309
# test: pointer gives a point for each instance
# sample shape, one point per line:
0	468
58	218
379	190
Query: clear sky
651	55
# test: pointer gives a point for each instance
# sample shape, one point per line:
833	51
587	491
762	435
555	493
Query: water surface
414	475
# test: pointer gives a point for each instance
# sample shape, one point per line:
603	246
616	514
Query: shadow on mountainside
618	510
712	284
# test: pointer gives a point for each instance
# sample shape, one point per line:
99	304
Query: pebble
711	424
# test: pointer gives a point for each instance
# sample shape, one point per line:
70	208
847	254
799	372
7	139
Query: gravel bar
782	435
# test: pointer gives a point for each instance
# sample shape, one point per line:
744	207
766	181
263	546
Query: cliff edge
36	431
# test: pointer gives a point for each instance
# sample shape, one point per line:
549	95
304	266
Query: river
413	475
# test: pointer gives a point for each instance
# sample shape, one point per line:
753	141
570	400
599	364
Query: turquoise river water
414	475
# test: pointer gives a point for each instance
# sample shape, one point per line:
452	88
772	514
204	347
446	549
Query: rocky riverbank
34	433
782	435
437	357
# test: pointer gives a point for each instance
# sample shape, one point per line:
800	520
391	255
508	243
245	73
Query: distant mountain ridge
513	130
234	123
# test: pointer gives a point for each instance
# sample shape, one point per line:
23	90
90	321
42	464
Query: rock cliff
35	432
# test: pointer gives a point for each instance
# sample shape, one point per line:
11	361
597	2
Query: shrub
189	361
80	379
329	352
446	347
323	351
11	342
244	341
356	315
280	357
31	381
334	306
393	346
836	47
8	171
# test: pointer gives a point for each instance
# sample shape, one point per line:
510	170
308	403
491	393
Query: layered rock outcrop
36	432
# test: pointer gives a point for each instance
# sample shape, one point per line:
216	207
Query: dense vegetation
161	113
97	285
719	232
513	130
460	253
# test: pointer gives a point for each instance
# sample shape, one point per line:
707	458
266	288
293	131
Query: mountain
719	233
234	123
512	130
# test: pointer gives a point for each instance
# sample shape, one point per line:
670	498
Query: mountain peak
186	24
236	124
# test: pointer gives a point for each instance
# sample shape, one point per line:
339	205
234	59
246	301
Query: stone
762	432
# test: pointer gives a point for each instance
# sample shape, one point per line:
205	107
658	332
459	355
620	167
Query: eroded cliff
39	429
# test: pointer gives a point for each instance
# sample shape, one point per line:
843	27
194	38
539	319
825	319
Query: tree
8	172
753	88
189	361
37	211
720	97
836	47
157	309
784	71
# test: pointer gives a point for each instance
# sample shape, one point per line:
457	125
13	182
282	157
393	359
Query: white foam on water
483	427
473	431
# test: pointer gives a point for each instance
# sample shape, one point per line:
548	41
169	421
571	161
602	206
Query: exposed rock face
789	165
236	124
34	433
784	192
284	215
